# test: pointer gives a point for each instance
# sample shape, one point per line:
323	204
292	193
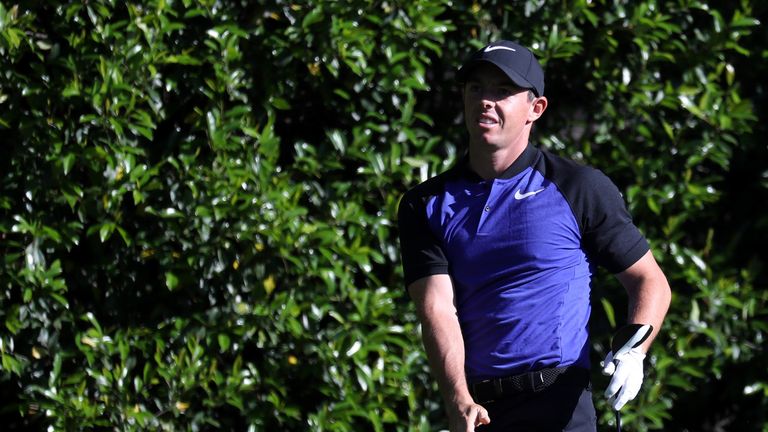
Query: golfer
499	253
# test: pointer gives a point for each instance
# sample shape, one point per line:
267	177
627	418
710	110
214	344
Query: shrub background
198	199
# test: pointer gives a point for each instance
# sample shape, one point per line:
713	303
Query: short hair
531	95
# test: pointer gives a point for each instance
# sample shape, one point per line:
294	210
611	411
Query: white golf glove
627	372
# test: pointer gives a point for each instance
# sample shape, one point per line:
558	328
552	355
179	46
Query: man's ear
538	107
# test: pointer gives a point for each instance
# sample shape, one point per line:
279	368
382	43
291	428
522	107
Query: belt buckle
537	381
494	384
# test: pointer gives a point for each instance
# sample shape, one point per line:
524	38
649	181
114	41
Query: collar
526	159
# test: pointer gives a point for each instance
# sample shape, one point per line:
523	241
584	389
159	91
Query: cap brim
515	77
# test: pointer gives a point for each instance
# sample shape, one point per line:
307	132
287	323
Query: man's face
496	111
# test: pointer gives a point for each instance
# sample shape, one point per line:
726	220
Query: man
498	254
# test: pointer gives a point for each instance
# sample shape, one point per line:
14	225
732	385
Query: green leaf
171	281
338	140
280	103
183	59
224	342
609	312
106	231
314	16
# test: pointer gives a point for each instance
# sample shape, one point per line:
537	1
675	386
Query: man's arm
444	345
648	292
649	298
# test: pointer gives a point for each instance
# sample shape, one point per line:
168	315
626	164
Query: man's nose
487	98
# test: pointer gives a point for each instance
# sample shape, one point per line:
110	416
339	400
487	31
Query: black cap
516	61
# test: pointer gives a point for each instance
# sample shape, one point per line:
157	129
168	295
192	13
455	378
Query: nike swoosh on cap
519	196
497	47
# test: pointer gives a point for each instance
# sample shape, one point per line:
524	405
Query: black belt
498	388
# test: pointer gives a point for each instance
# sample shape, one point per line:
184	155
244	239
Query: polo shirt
521	250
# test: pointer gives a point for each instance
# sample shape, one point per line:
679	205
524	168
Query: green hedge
198	200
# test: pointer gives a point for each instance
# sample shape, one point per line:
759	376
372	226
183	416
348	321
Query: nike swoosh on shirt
519	196
498	47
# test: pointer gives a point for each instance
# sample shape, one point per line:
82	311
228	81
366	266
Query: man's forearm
444	345
441	334
648	293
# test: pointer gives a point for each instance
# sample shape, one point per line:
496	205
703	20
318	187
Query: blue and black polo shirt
521	250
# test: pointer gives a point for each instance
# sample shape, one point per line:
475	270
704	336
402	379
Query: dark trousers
566	405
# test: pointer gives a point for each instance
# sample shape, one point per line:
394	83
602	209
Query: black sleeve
609	237
421	251
608	233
